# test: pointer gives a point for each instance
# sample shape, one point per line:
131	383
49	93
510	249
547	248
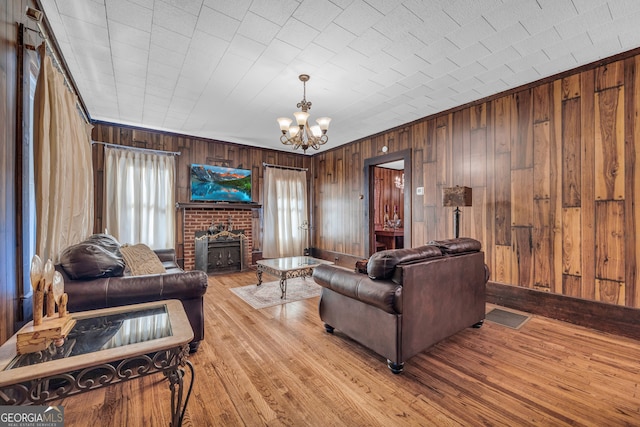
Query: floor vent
507	318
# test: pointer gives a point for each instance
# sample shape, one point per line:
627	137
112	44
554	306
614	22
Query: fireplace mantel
217	205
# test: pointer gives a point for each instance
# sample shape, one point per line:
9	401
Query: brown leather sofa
409	300
116	288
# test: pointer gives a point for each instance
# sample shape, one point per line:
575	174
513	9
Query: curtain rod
59	64
126	147
268	165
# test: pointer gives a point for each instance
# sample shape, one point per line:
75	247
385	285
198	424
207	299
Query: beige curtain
285	213
140	329
63	165
139	191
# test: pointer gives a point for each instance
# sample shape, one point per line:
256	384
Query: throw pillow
88	260
106	241
141	260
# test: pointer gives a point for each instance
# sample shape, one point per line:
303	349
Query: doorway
396	160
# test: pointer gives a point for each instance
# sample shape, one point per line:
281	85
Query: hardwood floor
277	366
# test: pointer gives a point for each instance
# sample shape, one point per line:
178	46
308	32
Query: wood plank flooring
278	367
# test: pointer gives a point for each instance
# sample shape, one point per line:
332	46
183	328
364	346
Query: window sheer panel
285	210
139	188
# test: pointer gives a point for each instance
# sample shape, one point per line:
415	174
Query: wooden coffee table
104	347
288	268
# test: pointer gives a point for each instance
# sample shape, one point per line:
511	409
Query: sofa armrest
383	294
167	258
115	291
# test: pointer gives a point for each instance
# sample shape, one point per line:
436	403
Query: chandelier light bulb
301	117
284	123
323	122
315	131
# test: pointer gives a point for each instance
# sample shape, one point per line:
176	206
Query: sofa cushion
88	260
382	264
457	246
141	260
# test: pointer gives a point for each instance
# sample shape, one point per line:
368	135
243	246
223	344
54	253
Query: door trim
369	187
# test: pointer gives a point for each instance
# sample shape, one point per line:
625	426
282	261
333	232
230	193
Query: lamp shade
456	196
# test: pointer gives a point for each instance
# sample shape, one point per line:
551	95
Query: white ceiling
226	70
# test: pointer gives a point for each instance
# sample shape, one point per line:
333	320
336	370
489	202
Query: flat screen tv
220	184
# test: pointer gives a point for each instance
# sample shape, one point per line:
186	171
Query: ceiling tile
469	54
622	8
370	42
511	13
552	13
384	6
558	64
317	14
169	40
466	11
190	6
358	17
334	38
505	37
581	24
88	11
470	33
527	62
128	35
315	55
297	33
258	28
275	11
565	47
217	24
397	23
174	19
537	42
246	47
410	66
129	13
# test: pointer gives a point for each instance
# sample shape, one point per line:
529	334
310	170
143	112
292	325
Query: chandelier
303	135
400	183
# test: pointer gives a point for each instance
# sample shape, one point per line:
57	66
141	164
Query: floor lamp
456	196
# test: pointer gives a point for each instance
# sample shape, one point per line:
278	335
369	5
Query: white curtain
62	164
139	197
285	213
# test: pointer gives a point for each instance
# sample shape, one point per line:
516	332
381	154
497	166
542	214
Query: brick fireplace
199	219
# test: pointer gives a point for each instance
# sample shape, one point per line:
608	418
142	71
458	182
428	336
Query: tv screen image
220	184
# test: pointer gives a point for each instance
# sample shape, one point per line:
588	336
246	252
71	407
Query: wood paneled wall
193	150
553	172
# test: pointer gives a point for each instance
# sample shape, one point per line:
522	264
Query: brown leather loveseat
94	277
409	300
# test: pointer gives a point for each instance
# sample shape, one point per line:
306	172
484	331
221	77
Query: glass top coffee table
288	268
104	347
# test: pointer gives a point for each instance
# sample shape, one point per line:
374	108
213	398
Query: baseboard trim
611	318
